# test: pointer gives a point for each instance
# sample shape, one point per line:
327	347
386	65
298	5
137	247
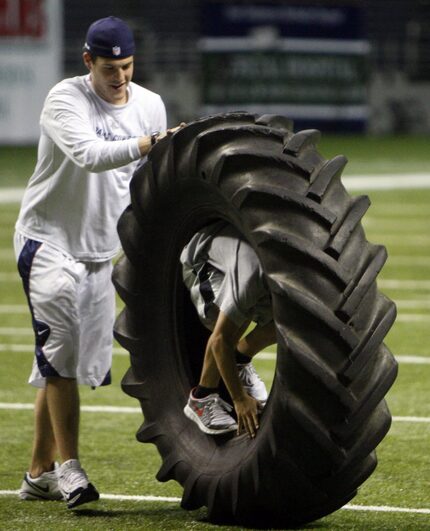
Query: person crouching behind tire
228	289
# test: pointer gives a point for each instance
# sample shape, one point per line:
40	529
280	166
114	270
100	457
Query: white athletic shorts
72	304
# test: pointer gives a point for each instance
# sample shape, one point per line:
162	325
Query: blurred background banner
336	65
307	62
30	64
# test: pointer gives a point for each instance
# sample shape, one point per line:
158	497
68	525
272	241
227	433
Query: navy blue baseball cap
110	37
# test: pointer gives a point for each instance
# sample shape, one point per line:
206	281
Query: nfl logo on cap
110	37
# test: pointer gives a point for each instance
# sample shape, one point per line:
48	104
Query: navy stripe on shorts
41	329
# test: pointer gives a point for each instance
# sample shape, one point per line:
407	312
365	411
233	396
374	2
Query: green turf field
119	466
390	154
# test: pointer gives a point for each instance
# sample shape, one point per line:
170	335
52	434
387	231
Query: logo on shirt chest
110	136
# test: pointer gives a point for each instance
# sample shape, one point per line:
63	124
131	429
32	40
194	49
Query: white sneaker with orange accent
211	414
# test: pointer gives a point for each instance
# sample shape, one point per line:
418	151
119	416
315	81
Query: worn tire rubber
326	411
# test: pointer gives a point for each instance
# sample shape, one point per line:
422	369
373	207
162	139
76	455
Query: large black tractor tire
326	411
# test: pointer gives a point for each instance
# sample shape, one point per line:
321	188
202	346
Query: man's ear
87	60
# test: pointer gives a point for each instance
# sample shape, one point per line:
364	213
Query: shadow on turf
176	513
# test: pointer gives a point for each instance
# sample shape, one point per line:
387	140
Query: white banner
31	44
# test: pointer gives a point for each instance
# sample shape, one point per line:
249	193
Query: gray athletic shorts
72	304
224	273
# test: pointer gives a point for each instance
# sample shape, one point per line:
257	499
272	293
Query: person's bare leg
63	403
260	337
210	375
44	448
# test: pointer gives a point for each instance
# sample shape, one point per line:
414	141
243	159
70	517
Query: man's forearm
146	142
144	145
223	354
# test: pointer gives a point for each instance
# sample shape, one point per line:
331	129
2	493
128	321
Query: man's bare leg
56	424
258	339
63	403
44	448
210	375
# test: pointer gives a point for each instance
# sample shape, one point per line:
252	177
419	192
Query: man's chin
118	96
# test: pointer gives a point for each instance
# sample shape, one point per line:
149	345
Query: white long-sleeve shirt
88	151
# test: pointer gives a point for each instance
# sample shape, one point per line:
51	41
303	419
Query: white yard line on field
382	283
351	182
86	409
125	497
406	210
11	195
400	284
171	499
118	351
401	358
413	304
404	284
16	406
411	419
386	182
118	497
410	304
20	331
17	348
413	318
385	509
7	253
413	360
411	240
18	309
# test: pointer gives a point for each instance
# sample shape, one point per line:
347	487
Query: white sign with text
31	52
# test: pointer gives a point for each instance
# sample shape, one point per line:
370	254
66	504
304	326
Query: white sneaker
251	382
44	487
74	485
211	414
